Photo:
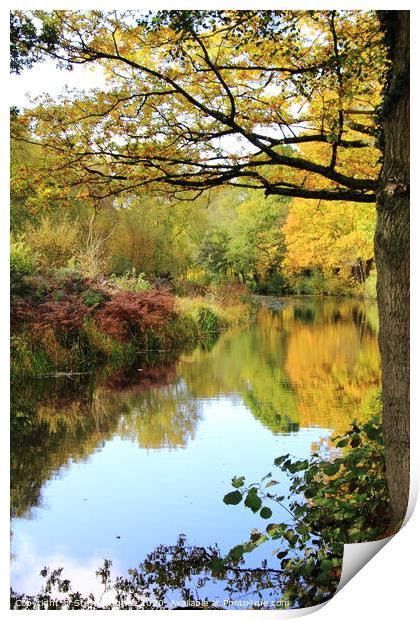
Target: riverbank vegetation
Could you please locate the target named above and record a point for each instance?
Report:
(63, 321)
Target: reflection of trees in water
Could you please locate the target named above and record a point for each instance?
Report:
(167, 418)
(327, 310)
(334, 364)
(290, 370)
(50, 427)
(247, 365)
(158, 411)
(132, 380)
(56, 421)
(315, 362)
(306, 315)
(277, 419)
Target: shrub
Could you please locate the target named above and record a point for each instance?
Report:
(21, 311)
(274, 283)
(22, 263)
(230, 293)
(102, 345)
(185, 287)
(42, 289)
(68, 320)
(38, 354)
(210, 315)
(21, 355)
(69, 278)
(179, 331)
(130, 314)
(55, 242)
(91, 256)
(65, 317)
(130, 281)
(92, 298)
(313, 284)
(332, 502)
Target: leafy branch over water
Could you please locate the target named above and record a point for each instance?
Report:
(332, 502)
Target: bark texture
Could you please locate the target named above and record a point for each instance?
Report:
(392, 260)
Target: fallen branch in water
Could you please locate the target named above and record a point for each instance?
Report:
(69, 375)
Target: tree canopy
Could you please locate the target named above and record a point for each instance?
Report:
(282, 101)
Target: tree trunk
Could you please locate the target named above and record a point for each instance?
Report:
(392, 261)
(368, 266)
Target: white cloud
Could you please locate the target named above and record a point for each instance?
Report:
(28, 562)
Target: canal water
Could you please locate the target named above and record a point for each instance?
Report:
(114, 464)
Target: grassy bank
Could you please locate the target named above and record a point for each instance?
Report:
(66, 323)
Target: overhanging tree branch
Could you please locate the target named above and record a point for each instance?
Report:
(185, 121)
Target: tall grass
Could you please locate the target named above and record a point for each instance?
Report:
(102, 346)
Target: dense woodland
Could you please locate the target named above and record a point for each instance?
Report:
(232, 235)
(227, 154)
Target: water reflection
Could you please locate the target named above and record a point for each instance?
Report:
(314, 363)
(51, 428)
(178, 430)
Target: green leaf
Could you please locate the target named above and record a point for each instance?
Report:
(250, 546)
(354, 533)
(280, 459)
(235, 497)
(257, 538)
(217, 565)
(373, 434)
(237, 553)
(303, 465)
(281, 554)
(291, 537)
(342, 443)
(324, 578)
(265, 512)
(298, 466)
(306, 570)
(311, 492)
(271, 483)
(253, 501)
(276, 530)
(326, 565)
(331, 469)
(238, 482)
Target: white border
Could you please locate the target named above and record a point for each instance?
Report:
(386, 586)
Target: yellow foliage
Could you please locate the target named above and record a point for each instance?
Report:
(328, 234)
(54, 242)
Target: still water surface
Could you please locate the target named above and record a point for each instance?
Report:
(116, 464)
